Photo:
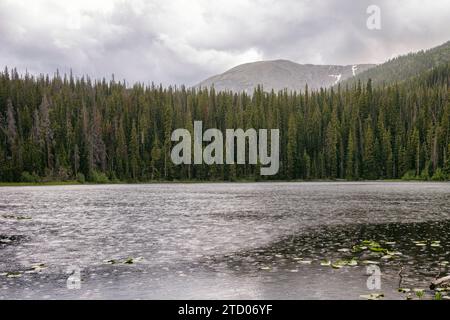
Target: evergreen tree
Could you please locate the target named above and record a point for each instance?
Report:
(292, 148)
(369, 160)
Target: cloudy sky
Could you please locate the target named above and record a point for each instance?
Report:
(183, 42)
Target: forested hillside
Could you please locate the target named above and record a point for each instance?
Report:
(64, 128)
(404, 67)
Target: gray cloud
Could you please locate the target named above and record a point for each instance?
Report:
(183, 42)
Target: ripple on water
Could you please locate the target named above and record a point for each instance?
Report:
(236, 232)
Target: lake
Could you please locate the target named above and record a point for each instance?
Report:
(311, 240)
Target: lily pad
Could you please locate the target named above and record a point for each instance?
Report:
(370, 243)
(15, 217)
(13, 274)
(370, 262)
(394, 253)
(377, 249)
(37, 268)
(372, 296)
(342, 263)
(358, 248)
(325, 263)
(133, 260)
(352, 263)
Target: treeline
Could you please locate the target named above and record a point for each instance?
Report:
(65, 128)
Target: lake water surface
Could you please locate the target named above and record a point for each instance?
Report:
(223, 240)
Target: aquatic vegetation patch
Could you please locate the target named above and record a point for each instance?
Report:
(369, 245)
(438, 296)
(12, 239)
(37, 268)
(15, 217)
(112, 261)
(420, 243)
(12, 274)
(325, 263)
(372, 296)
(340, 263)
(370, 262)
(435, 243)
(419, 292)
(126, 261)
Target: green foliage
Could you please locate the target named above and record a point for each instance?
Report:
(439, 175)
(425, 174)
(27, 177)
(438, 296)
(410, 175)
(81, 178)
(98, 177)
(64, 129)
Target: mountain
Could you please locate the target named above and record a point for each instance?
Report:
(281, 74)
(404, 67)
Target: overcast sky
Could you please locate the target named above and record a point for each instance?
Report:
(183, 42)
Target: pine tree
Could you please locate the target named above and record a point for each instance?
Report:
(446, 169)
(350, 173)
(46, 133)
(155, 159)
(369, 160)
(306, 165)
(331, 147)
(292, 148)
(134, 152)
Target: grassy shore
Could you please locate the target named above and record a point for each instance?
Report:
(46, 183)
(74, 182)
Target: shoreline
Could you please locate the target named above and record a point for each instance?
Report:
(73, 182)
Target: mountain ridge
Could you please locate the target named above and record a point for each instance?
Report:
(281, 74)
(404, 67)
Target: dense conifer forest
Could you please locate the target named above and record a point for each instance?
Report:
(64, 128)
